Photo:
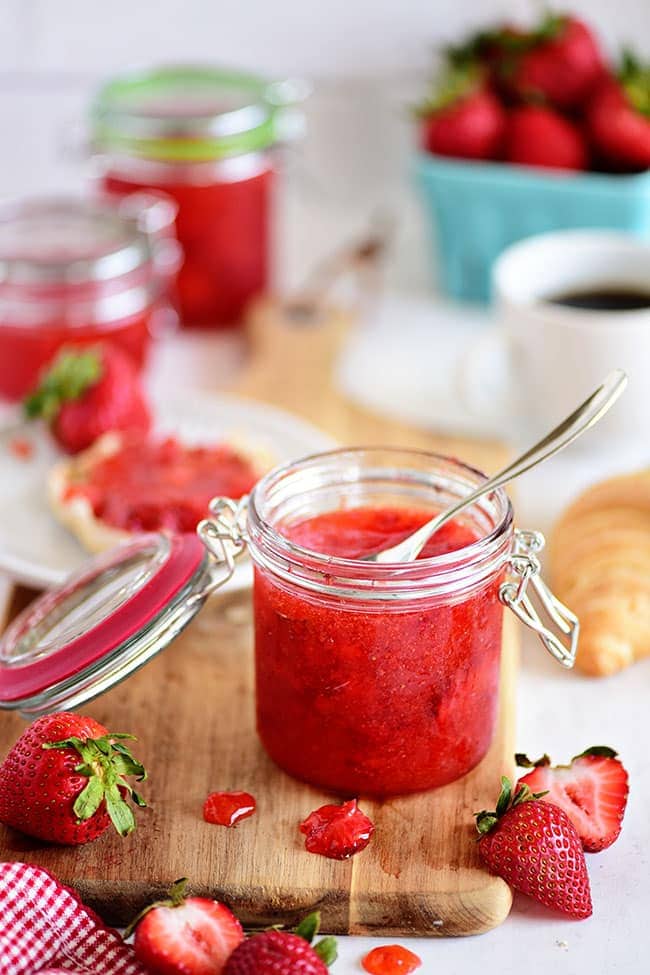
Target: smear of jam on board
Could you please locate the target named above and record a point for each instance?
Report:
(337, 832)
(228, 808)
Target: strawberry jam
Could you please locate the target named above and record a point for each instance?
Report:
(228, 808)
(223, 227)
(337, 832)
(391, 960)
(365, 687)
(149, 485)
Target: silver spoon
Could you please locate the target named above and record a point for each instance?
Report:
(584, 417)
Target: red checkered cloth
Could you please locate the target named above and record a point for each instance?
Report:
(45, 926)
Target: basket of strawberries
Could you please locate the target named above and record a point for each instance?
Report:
(526, 131)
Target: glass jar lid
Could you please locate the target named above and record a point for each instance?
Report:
(69, 241)
(105, 622)
(191, 113)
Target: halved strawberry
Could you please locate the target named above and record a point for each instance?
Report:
(192, 936)
(592, 790)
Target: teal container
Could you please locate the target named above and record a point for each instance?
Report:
(474, 210)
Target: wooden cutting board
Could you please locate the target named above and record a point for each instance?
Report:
(193, 710)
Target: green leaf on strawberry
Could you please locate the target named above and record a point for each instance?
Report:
(106, 763)
(69, 376)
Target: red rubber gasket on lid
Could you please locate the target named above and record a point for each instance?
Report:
(25, 680)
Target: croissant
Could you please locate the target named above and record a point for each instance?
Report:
(599, 555)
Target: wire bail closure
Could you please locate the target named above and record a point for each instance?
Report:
(224, 536)
(514, 594)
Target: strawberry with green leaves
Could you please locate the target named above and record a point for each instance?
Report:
(65, 781)
(539, 136)
(284, 952)
(592, 789)
(462, 117)
(534, 847)
(558, 63)
(618, 117)
(88, 392)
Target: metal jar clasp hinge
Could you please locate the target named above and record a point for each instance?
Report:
(561, 641)
(224, 536)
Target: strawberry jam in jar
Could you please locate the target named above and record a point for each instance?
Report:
(205, 138)
(375, 678)
(73, 272)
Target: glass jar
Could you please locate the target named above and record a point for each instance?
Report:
(75, 271)
(204, 137)
(373, 678)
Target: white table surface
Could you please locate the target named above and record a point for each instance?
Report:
(557, 712)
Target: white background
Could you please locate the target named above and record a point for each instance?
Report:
(366, 59)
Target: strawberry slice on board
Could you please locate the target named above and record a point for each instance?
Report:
(185, 935)
(592, 790)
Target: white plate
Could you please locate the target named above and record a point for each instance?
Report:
(36, 550)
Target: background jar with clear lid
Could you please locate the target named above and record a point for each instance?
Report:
(78, 271)
(373, 678)
(205, 137)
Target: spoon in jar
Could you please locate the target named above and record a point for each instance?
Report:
(584, 417)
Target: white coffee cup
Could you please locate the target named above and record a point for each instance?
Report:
(558, 354)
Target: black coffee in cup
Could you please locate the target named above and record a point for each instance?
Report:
(604, 299)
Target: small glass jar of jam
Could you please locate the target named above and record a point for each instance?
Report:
(372, 678)
(75, 271)
(204, 137)
(375, 678)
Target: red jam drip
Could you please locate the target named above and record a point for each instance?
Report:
(21, 448)
(337, 832)
(391, 960)
(228, 808)
(152, 485)
(223, 228)
(25, 350)
(376, 698)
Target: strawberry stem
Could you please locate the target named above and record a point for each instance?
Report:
(486, 820)
(106, 762)
(522, 761)
(175, 898)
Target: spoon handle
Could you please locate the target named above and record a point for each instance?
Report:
(582, 418)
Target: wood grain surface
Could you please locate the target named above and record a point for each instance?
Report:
(193, 710)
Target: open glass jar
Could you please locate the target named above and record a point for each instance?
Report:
(78, 271)
(205, 137)
(371, 678)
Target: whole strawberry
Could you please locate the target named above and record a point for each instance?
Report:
(64, 781)
(618, 118)
(559, 62)
(462, 118)
(185, 935)
(592, 790)
(535, 848)
(537, 136)
(87, 392)
(283, 952)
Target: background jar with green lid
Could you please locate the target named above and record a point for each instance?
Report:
(205, 137)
